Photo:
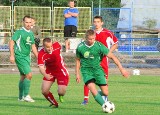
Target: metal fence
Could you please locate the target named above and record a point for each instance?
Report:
(136, 49)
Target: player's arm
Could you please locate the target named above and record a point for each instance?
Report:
(34, 49)
(78, 77)
(117, 62)
(11, 49)
(114, 47)
(43, 72)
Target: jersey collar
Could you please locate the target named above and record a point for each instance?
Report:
(88, 45)
(97, 32)
(25, 29)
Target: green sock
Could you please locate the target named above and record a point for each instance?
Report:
(20, 89)
(100, 92)
(26, 86)
(99, 99)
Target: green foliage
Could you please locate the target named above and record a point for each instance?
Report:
(63, 3)
(150, 23)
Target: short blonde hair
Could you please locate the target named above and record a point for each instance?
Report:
(89, 32)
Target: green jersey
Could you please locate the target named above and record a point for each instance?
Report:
(90, 56)
(23, 40)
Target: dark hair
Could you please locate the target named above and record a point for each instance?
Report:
(27, 16)
(47, 40)
(89, 32)
(99, 17)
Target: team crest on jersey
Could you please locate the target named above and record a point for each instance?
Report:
(28, 40)
(86, 54)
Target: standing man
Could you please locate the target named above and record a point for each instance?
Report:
(107, 38)
(20, 45)
(70, 22)
(88, 56)
(52, 67)
(37, 32)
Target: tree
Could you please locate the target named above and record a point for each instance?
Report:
(63, 3)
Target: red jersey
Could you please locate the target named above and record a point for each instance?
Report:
(106, 37)
(53, 61)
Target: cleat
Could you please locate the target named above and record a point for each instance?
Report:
(53, 105)
(61, 99)
(85, 102)
(28, 99)
(20, 99)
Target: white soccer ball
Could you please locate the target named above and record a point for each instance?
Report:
(108, 107)
(136, 72)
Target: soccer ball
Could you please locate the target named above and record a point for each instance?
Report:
(136, 72)
(108, 107)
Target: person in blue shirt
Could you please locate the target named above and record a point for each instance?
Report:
(70, 22)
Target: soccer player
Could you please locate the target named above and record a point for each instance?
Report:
(107, 38)
(88, 57)
(70, 22)
(20, 45)
(52, 67)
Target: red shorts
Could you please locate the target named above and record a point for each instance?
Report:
(62, 77)
(104, 65)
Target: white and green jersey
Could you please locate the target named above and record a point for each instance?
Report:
(23, 40)
(90, 56)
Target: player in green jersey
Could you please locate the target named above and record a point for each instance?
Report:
(88, 58)
(20, 45)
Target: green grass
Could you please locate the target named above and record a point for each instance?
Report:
(138, 95)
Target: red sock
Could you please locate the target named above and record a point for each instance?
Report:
(51, 99)
(86, 93)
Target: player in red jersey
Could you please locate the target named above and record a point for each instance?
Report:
(52, 67)
(107, 38)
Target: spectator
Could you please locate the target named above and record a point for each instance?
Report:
(70, 22)
(37, 32)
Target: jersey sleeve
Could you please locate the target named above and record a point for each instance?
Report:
(40, 59)
(78, 53)
(16, 35)
(114, 38)
(56, 45)
(103, 49)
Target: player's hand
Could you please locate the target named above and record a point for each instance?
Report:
(125, 73)
(48, 76)
(78, 78)
(12, 59)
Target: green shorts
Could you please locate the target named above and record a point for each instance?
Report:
(23, 64)
(96, 74)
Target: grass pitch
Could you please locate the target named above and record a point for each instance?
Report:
(138, 95)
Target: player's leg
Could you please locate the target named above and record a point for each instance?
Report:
(23, 65)
(27, 83)
(104, 65)
(86, 95)
(45, 88)
(61, 92)
(92, 87)
(62, 81)
(21, 88)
